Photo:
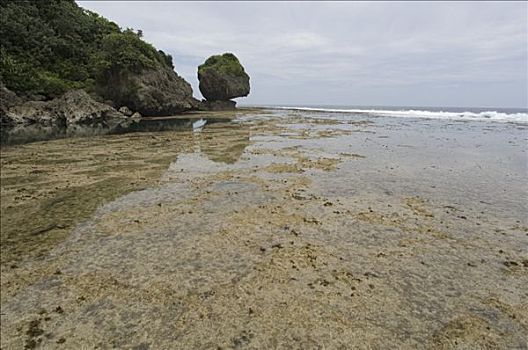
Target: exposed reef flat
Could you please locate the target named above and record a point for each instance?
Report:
(278, 229)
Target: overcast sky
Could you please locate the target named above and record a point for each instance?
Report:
(347, 53)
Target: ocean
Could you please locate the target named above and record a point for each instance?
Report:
(514, 115)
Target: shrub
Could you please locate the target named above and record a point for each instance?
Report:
(226, 63)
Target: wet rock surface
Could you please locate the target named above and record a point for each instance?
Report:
(282, 230)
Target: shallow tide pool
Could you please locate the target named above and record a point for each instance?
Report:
(280, 229)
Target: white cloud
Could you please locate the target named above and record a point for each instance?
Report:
(347, 52)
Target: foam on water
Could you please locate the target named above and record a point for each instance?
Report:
(494, 116)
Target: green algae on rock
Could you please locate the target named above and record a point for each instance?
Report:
(222, 78)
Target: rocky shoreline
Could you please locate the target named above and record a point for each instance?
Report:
(115, 79)
(76, 109)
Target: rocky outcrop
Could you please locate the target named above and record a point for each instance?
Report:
(217, 105)
(30, 112)
(8, 99)
(151, 92)
(222, 78)
(126, 111)
(74, 108)
(77, 107)
(49, 50)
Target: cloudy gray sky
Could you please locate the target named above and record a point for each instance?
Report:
(348, 53)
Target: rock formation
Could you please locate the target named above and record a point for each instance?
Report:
(222, 78)
(126, 111)
(152, 92)
(8, 99)
(49, 49)
(53, 56)
(75, 107)
(206, 105)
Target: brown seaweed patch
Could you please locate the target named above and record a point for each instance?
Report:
(283, 168)
(325, 164)
(418, 206)
(468, 332)
(352, 155)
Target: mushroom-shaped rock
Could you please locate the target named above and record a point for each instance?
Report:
(222, 78)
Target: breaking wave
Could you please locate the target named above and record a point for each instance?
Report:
(495, 116)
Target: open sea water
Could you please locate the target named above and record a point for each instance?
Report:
(514, 115)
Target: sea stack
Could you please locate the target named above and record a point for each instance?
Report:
(222, 78)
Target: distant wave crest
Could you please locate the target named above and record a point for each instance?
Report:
(487, 115)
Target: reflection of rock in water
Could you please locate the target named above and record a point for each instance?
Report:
(29, 133)
(20, 134)
(35, 132)
(224, 143)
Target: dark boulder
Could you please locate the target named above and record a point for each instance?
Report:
(222, 78)
(217, 105)
(152, 92)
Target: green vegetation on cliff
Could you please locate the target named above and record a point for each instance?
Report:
(49, 47)
(226, 64)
